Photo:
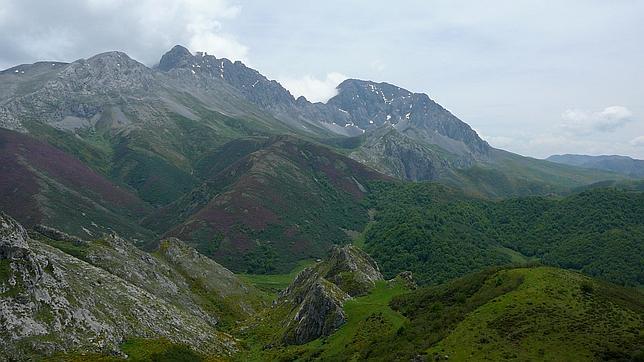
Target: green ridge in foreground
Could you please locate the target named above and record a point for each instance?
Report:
(553, 315)
(541, 314)
(524, 314)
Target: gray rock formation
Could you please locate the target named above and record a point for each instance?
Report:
(179, 275)
(359, 107)
(58, 235)
(53, 302)
(315, 298)
(13, 239)
(372, 105)
(395, 154)
(319, 314)
(353, 270)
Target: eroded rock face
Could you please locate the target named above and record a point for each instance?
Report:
(317, 294)
(319, 314)
(353, 270)
(395, 154)
(53, 302)
(55, 234)
(13, 239)
(178, 274)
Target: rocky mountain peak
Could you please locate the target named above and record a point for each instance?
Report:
(104, 73)
(372, 105)
(250, 83)
(174, 57)
(113, 55)
(113, 61)
(359, 106)
(353, 84)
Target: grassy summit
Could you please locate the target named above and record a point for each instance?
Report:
(526, 314)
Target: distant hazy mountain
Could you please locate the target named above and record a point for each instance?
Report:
(620, 164)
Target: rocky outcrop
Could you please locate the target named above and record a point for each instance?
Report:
(58, 235)
(212, 276)
(316, 296)
(395, 154)
(319, 314)
(351, 269)
(407, 279)
(13, 239)
(178, 274)
(53, 302)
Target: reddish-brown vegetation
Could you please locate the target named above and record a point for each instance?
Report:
(25, 161)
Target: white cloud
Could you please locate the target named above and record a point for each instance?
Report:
(221, 45)
(607, 120)
(145, 29)
(378, 65)
(637, 141)
(314, 89)
(544, 144)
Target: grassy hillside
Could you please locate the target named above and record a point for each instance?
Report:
(42, 184)
(440, 233)
(271, 284)
(539, 313)
(526, 314)
(510, 175)
(279, 202)
(549, 173)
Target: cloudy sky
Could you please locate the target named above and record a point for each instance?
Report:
(534, 77)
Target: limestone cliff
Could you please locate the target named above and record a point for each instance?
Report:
(316, 296)
(51, 301)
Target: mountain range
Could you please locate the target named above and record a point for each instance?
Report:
(620, 164)
(196, 209)
(131, 123)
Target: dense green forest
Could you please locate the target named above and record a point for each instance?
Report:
(440, 233)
